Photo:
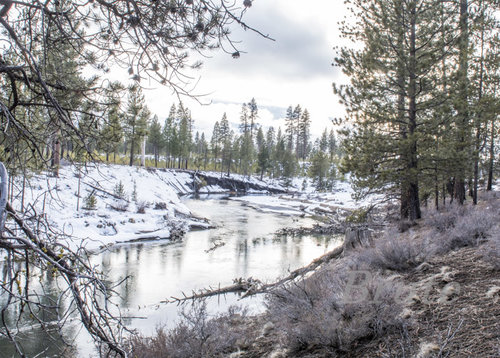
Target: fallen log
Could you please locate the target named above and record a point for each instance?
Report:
(251, 286)
(239, 285)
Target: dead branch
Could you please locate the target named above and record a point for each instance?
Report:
(250, 286)
(84, 287)
(240, 285)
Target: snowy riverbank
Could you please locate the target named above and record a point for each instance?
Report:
(148, 206)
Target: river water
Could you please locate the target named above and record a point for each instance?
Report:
(241, 245)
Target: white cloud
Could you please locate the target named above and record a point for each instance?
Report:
(296, 69)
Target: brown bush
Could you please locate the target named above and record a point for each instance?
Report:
(391, 252)
(444, 219)
(196, 336)
(331, 311)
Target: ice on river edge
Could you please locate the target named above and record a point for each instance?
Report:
(156, 191)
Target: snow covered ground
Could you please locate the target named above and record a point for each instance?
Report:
(149, 207)
(63, 202)
(308, 201)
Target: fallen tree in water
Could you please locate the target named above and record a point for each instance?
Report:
(250, 286)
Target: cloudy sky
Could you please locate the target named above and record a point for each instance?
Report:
(294, 69)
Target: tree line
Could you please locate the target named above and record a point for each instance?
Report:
(128, 129)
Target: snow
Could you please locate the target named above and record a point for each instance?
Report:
(57, 198)
(157, 192)
(309, 201)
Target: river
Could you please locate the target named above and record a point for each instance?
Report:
(241, 245)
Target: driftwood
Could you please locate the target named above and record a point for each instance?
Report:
(249, 287)
(333, 228)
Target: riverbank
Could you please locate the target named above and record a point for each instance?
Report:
(95, 206)
(99, 205)
(431, 291)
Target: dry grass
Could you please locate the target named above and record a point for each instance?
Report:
(463, 226)
(490, 252)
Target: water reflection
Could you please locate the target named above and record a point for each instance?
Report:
(158, 270)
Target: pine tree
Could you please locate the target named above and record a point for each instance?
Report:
(297, 116)
(136, 120)
(462, 121)
(485, 65)
(271, 147)
(253, 113)
(246, 150)
(290, 128)
(155, 138)
(170, 137)
(204, 150)
(112, 131)
(390, 94)
(215, 143)
(320, 169)
(303, 135)
(332, 145)
(263, 153)
(226, 143)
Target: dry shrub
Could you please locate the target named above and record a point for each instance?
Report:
(196, 336)
(141, 206)
(160, 206)
(489, 196)
(490, 252)
(149, 347)
(471, 229)
(445, 219)
(461, 226)
(119, 205)
(331, 311)
(393, 253)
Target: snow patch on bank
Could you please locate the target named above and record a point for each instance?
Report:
(307, 201)
(112, 220)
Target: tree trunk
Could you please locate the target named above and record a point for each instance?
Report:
(479, 116)
(132, 149)
(413, 194)
(205, 160)
(63, 145)
(489, 187)
(462, 105)
(56, 155)
(143, 152)
(403, 130)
